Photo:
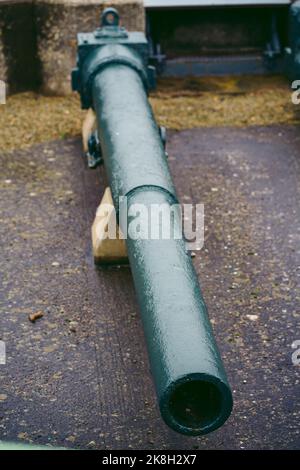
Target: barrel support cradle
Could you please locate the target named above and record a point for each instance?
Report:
(107, 250)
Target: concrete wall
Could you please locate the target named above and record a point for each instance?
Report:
(3, 65)
(18, 54)
(38, 38)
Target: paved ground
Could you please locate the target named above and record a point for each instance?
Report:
(87, 384)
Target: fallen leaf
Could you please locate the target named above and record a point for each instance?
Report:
(35, 316)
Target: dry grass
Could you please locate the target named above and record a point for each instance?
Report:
(224, 101)
(28, 118)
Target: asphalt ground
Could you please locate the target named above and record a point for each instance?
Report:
(79, 376)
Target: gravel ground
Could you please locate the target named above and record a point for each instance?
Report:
(79, 376)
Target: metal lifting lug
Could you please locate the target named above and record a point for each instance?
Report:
(94, 153)
(110, 25)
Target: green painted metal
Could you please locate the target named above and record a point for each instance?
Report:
(109, 34)
(127, 129)
(193, 392)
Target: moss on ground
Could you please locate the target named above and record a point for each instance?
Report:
(29, 118)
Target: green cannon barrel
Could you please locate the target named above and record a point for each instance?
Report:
(193, 393)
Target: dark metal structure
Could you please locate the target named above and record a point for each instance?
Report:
(217, 37)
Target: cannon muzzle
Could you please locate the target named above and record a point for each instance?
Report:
(113, 78)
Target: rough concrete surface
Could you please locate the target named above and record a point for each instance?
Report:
(79, 376)
(57, 24)
(3, 62)
(19, 64)
(38, 38)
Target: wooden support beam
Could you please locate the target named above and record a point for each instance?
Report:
(105, 249)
